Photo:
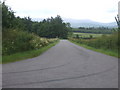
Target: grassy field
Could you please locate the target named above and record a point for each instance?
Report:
(107, 44)
(94, 30)
(87, 34)
(26, 55)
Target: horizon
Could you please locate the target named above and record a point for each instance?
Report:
(74, 9)
(75, 23)
(67, 19)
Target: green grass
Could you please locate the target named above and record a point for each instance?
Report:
(88, 34)
(26, 55)
(107, 52)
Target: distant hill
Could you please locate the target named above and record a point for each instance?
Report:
(89, 23)
(84, 23)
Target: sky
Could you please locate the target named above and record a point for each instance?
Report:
(96, 10)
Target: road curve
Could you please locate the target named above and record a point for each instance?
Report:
(65, 65)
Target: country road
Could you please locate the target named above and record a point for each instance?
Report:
(65, 65)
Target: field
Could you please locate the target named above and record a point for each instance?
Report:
(107, 44)
(87, 35)
(99, 30)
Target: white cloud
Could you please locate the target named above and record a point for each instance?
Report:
(97, 10)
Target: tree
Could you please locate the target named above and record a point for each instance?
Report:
(49, 28)
(54, 27)
(7, 16)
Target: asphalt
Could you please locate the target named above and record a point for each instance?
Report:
(65, 65)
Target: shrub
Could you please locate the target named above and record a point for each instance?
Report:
(19, 41)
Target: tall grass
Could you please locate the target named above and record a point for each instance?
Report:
(18, 45)
(26, 55)
(15, 41)
(108, 43)
(87, 35)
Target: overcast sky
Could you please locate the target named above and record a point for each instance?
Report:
(96, 10)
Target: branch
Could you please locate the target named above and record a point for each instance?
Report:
(117, 21)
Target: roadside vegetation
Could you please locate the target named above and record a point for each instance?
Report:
(23, 38)
(100, 39)
(108, 44)
(94, 30)
(26, 54)
(19, 41)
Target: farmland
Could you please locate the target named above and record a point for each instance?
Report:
(101, 39)
(108, 44)
(87, 34)
(96, 30)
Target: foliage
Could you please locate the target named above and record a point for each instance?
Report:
(25, 55)
(99, 30)
(106, 42)
(8, 16)
(87, 35)
(49, 28)
(52, 28)
(23, 34)
(19, 41)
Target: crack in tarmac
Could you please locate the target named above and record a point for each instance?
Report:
(38, 69)
(68, 78)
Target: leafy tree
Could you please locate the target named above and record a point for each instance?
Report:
(7, 16)
(49, 28)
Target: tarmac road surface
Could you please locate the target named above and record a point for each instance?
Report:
(65, 65)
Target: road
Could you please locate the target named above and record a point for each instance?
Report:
(65, 65)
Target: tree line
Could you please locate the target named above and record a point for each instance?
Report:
(49, 28)
(96, 30)
(23, 34)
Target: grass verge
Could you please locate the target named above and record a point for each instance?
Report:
(26, 55)
(107, 52)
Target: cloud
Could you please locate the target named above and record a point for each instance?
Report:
(97, 10)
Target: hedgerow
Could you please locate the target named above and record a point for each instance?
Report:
(19, 41)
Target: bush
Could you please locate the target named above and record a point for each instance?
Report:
(19, 41)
